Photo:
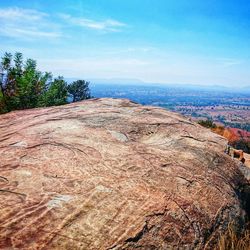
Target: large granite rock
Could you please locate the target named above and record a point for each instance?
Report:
(247, 158)
(112, 174)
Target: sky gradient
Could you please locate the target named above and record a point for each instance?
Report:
(159, 41)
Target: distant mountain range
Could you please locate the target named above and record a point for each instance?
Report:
(138, 82)
(111, 80)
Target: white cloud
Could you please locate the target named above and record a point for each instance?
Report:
(26, 24)
(10, 14)
(31, 24)
(173, 69)
(108, 25)
(94, 67)
(27, 34)
(229, 62)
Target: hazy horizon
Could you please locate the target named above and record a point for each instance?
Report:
(161, 42)
(127, 81)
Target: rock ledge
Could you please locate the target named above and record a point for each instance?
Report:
(112, 174)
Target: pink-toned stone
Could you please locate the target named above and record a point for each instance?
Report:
(112, 174)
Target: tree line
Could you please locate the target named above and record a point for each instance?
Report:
(23, 86)
(238, 144)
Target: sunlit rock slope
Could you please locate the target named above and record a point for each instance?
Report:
(112, 174)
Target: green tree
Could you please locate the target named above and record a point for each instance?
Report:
(56, 93)
(6, 61)
(22, 85)
(9, 84)
(79, 90)
(31, 85)
(5, 68)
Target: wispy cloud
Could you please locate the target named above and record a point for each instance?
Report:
(229, 62)
(9, 14)
(27, 34)
(107, 25)
(94, 67)
(26, 24)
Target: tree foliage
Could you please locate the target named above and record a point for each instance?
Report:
(56, 93)
(23, 86)
(207, 123)
(242, 144)
(238, 144)
(79, 90)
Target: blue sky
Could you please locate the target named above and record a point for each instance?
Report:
(161, 41)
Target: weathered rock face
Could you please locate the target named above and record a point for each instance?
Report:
(111, 174)
(247, 158)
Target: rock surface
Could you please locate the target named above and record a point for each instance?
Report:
(247, 158)
(112, 174)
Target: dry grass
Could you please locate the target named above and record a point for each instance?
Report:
(232, 241)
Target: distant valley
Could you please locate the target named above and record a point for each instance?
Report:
(224, 106)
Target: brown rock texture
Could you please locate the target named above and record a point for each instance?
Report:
(247, 158)
(112, 174)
